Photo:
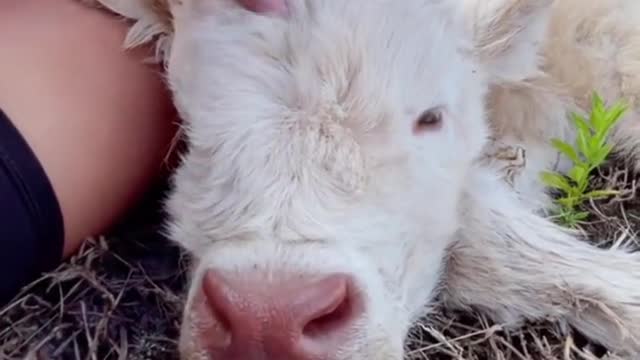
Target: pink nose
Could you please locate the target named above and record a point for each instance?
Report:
(294, 318)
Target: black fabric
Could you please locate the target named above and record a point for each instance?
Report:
(31, 225)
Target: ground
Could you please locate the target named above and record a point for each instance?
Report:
(121, 297)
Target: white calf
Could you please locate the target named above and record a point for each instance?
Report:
(332, 177)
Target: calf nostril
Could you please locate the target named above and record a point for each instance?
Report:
(217, 295)
(336, 313)
(293, 317)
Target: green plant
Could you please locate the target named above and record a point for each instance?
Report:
(589, 152)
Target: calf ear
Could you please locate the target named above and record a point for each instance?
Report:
(262, 7)
(132, 9)
(507, 34)
(151, 22)
(265, 6)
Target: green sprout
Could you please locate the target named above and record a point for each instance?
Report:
(591, 150)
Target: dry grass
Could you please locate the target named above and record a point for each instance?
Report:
(120, 298)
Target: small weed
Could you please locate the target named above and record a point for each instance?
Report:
(589, 152)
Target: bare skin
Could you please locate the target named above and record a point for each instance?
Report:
(100, 121)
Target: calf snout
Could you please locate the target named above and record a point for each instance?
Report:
(271, 317)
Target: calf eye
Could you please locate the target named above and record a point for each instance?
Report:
(430, 120)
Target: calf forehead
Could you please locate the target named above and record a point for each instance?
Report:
(395, 50)
(332, 66)
(284, 115)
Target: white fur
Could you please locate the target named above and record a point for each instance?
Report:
(302, 157)
(515, 265)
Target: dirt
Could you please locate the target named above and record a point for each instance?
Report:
(121, 297)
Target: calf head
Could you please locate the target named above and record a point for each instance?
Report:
(328, 145)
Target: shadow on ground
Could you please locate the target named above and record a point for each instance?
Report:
(121, 298)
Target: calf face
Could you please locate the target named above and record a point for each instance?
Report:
(329, 143)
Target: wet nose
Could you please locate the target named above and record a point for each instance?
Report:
(302, 318)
